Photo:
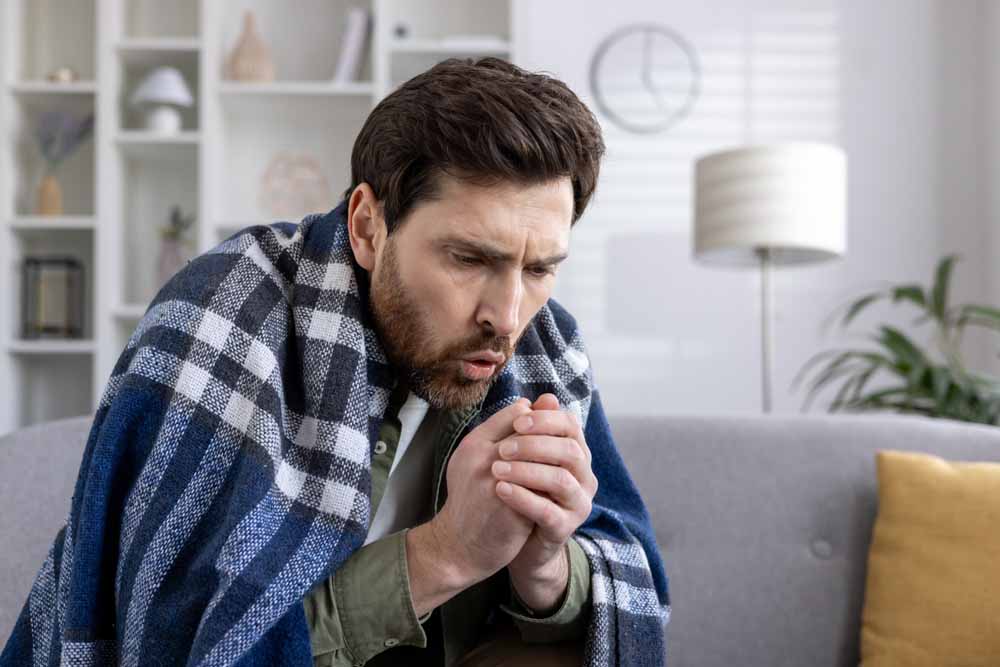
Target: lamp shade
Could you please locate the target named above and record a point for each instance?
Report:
(164, 85)
(790, 198)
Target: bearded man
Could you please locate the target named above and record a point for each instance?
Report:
(371, 437)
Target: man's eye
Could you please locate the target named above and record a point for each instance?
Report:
(540, 271)
(466, 260)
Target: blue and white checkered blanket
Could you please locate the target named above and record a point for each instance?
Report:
(227, 470)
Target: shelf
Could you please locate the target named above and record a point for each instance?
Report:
(170, 44)
(44, 35)
(450, 46)
(419, 55)
(236, 225)
(30, 223)
(51, 386)
(297, 88)
(75, 96)
(149, 51)
(54, 88)
(242, 143)
(304, 37)
(51, 346)
(134, 137)
(147, 145)
(131, 311)
(138, 58)
(255, 137)
(156, 19)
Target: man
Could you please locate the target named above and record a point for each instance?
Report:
(371, 437)
(480, 260)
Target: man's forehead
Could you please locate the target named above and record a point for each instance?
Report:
(502, 237)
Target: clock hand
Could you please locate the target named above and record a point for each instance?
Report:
(647, 70)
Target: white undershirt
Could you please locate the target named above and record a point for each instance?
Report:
(406, 498)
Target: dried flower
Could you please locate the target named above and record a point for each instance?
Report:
(60, 133)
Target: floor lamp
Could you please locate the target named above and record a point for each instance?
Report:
(770, 205)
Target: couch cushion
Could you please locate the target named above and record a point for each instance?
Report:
(38, 470)
(932, 595)
(764, 524)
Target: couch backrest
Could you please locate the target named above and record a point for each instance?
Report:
(38, 470)
(765, 522)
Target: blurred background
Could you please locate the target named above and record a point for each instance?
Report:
(137, 134)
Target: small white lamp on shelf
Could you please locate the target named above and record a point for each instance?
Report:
(160, 93)
(768, 205)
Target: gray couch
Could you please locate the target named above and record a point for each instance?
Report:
(764, 522)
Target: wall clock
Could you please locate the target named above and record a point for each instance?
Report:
(645, 78)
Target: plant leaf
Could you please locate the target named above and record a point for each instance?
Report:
(840, 400)
(812, 360)
(981, 315)
(832, 371)
(939, 292)
(858, 306)
(903, 348)
(913, 293)
(941, 381)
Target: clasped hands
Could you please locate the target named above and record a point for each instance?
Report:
(482, 528)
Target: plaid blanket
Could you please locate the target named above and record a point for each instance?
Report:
(227, 469)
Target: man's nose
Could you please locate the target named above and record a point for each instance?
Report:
(502, 304)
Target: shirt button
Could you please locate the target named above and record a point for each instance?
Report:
(391, 641)
(380, 447)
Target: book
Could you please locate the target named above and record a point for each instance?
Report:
(352, 44)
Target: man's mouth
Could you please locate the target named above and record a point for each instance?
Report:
(481, 365)
(485, 357)
(477, 369)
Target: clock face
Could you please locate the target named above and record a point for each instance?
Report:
(645, 77)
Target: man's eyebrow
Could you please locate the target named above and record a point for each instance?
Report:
(493, 254)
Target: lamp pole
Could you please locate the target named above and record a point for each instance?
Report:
(766, 339)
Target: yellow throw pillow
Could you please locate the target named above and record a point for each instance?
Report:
(932, 594)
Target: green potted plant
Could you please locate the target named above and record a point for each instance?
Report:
(936, 385)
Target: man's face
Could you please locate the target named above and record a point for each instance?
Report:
(455, 286)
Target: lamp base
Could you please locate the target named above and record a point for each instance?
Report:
(163, 119)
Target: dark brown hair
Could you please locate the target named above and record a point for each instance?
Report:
(484, 121)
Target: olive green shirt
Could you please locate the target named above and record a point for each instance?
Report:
(363, 614)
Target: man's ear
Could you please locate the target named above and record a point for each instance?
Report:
(365, 225)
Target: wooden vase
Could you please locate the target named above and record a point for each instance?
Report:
(50, 201)
(250, 59)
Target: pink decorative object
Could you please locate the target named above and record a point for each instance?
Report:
(173, 256)
(294, 185)
(175, 249)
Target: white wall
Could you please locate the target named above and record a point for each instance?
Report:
(897, 83)
(989, 34)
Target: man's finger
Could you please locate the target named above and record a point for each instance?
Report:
(500, 425)
(553, 519)
(551, 450)
(561, 486)
(560, 423)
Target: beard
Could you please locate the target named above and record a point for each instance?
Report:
(432, 370)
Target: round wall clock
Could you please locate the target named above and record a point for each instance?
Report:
(645, 77)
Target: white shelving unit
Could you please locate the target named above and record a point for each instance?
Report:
(119, 187)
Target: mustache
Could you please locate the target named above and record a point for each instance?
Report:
(500, 344)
